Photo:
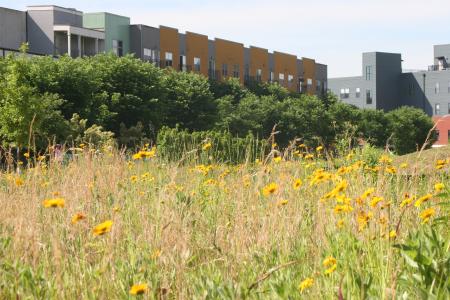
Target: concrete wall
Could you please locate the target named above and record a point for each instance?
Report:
(388, 70)
(40, 31)
(12, 28)
(418, 89)
(441, 51)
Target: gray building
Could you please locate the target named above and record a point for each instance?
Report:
(11, 40)
(383, 84)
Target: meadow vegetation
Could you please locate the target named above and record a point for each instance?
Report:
(298, 223)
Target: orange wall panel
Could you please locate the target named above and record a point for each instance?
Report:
(230, 53)
(309, 71)
(287, 65)
(259, 59)
(197, 46)
(169, 42)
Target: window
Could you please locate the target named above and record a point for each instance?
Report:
(358, 92)
(347, 93)
(437, 109)
(169, 59)
(290, 79)
(212, 68)
(258, 75)
(197, 64)
(309, 81)
(183, 66)
(151, 55)
(448, 109)
(281, 77)
(236, 71)
(448, 133)
(342, 95)
(318, 86)
(411, 89)
(368, 72)
(271, 76)
(448, 87)
(224, 70)
(368, 97)
(436, 88)
(117, 47)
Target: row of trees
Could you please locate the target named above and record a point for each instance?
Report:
(66, 99)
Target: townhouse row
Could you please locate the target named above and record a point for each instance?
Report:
(54, 30)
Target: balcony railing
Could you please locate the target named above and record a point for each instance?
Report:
(437, 68)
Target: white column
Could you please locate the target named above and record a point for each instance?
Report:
(69, 46)
(96, 46)
(79, 45)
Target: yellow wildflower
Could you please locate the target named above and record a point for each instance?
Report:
(56, 202)
(134, 178)
(422, 200)
(307, 283)
(102, 228)
(27, 155)
(375, 200)
(309, 156)
(439, 187)
(78, 217)
(391, 170)
(270, 189)
(139, 289)
(385, 159)
(156, 253)
(297, 184)
(407, 200)
(392, 234)
(363, 220)
(18, 181)
(320, 148)
(367, 193)
(282, 202)
(342, 208)
(277, 159)
(340, 223)
(206, 146)
(427, 214)
(403, 166)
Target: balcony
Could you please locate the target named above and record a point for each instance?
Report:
(437, 68)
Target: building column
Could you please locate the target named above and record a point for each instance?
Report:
(79, 45)
(69, 46)
(96, 46)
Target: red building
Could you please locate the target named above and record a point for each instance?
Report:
(443, 129)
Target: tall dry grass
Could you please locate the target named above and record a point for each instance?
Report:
(207, 232)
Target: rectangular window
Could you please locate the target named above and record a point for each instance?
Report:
(271, 76)
(358, 92)
(437, 109)
(183, 66)
(342, 95)
(169, 59)
(281, 77)
(258, 75)
(436, 88)
(309, 82)
(197, 64)
(236, 71)
(290, 79)
(448, 109)
(368, 72)
(225, 70)
(411, 89)
(117, 47)
(448, 89)
(347, 93)
(368, 97)
(212, 68)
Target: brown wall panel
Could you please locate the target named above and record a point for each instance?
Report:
(259, 59)
(309, 71)
(230, 53)
(197, 46)
(287, 65)
(169, 42)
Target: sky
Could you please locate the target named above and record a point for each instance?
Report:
(333, 32)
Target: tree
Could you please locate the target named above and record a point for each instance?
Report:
(373, 127)
(409, 128)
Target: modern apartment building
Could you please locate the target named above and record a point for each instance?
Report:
(54, 30)
(384, 85)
